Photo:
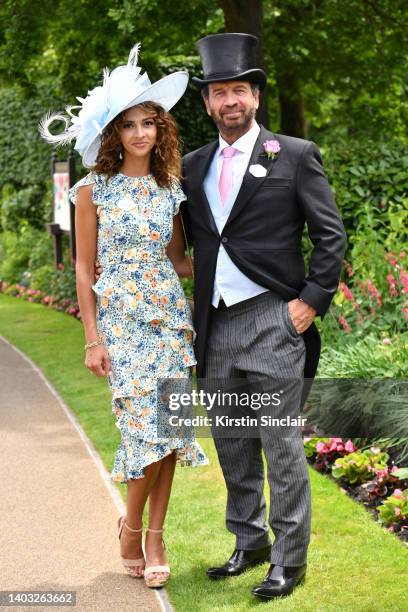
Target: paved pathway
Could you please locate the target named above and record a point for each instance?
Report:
(58, 508)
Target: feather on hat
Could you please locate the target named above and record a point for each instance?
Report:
(123, 88)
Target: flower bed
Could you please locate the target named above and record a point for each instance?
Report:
(367, 476)
(69, 306)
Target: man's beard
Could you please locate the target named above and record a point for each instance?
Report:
(239, 128)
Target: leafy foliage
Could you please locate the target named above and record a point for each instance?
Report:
(345, 60)
(360, 466)
(394, 510)
(370, 184)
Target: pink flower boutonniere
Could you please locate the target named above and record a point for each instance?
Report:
(272, 148)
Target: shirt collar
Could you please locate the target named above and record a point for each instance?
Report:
(245, 143)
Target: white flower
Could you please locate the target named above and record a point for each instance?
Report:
(257, 170)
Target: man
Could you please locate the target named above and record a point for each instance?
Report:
(254, 304)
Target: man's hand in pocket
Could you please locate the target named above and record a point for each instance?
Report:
(302, 315)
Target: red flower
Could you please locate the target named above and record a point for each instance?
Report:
(403, 276)
(346, 292)
(392, 259)
(348, 268)
(344, 324)
(373, 291)
(392, 286)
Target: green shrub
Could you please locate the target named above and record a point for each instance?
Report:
(23, 253)
(366, 357)
(14, 255)
(23, 205)
(370, 183)
(41, 278)
(394, 510)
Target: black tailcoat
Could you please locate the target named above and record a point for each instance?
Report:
(264, 230)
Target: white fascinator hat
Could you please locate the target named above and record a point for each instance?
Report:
(122, 88)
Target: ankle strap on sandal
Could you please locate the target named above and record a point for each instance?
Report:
(134, 530)
(155, 530)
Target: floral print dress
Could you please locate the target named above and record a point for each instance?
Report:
(142, 315)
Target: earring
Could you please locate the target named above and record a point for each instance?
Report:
(120, 155)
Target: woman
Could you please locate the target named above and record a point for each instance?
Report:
(138, 329)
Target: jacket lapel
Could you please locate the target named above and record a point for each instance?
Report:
(203, 162)
(250, 183)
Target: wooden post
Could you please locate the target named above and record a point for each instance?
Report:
(72, 179)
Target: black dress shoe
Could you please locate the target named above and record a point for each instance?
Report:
(239, 561)
(280, 581)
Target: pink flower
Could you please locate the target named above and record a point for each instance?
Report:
(386, 341)
(398, 493)
(344, 324)
(346, 292)
(272, 148)
(348, 268)
(321, 447)
(60, 266)
(373, 291)
(392, 285)
(397, 511)
(381, 473)
(360, 319)
(403, 276)
(349, 447)
(391, 258)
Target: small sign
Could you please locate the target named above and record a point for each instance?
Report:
(62, 214)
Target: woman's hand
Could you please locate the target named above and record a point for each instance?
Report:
(97, 361)
(176, 251)
(98, 270)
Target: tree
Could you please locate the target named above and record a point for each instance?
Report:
(339, 62)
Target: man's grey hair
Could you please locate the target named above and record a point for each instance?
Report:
(254, 88)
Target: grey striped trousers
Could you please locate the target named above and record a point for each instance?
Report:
(252, 340)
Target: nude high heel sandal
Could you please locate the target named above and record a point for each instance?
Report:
(130, 564)
(156, 569)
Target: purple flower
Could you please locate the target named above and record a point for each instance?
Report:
(271, 148)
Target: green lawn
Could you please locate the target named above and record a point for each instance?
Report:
(354, 564)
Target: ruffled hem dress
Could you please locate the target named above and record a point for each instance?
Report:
(142, 316)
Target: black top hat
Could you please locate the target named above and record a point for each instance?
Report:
(229, 57)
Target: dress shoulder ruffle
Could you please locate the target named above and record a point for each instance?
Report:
(92, 178)
(177, 195)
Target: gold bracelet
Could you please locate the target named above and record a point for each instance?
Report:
(91, 344)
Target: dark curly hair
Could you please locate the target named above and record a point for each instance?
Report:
(165, 162)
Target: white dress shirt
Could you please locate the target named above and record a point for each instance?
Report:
(230, 283)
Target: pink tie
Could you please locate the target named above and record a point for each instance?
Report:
(225, 181)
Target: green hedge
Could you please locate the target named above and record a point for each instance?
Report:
(370, 183)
